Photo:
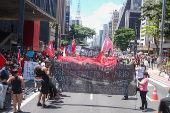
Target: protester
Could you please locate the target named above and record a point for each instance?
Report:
(38, 76)
(152, 62)
(143, 90)
(4, 75)
(164, 105)
(16, 81)
(45, 84)
(140, 71)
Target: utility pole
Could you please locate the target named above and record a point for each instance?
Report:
(162, 33)
(135, 41)
(21, 24)
(56, 36)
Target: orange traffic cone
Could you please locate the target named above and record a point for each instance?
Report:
(155, 96)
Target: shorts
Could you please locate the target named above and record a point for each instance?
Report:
(37, 80)
(152, 64)
(44, 88)
(15, 98)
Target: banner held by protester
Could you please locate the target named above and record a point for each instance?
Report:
(116, 79)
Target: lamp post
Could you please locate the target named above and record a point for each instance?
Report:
(162, 33)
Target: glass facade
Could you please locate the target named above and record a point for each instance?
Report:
(48, 6)
(135, 5)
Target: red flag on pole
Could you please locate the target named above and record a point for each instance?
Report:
(2, 60)
(73, 49)
(107, 45)
(19, 61)
(99, 58)
(50, 50)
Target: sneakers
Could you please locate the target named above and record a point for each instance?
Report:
(141, 108)
(39, 104)
(59, 100)
(124, 98)
(145, 110)
(20, 111)
(34, 89)
(45, 106)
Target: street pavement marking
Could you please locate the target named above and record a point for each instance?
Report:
(91, 96)
(26, 101)
(150, 85)
(148, 98)
(161, 84)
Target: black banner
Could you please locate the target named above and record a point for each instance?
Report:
(117, 79)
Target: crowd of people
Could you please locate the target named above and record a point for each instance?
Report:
(47, 90)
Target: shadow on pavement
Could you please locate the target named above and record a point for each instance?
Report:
(64, 95)
(149, 109)
(132, 98)
(52, 107)
(109, 96)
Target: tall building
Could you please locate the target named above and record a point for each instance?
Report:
(110, 30)
(100, 38)
(67, 19)
(25, 31)
(105, 32)
(115, 19)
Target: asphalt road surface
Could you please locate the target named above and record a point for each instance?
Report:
(94, 103)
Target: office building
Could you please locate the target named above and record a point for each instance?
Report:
(115, 19)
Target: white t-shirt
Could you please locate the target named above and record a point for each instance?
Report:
(42, 64)
(140, 72)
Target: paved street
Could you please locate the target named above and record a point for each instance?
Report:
(96, 103)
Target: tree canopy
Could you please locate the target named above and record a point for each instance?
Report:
(122, 37)
(64, 43)
(79, 32)
(153, 12)
(52, 25)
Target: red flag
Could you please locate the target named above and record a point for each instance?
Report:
(99, 58)
(2, 60)
(61, 48)
(107, 45)
(73, 49)
(50, 50)
(19, 61)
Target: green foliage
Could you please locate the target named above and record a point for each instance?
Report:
(153, 11)
(95, 47)
(52, 25)
(81, 43)
(79, 32)
(122, 37)
(64, 43)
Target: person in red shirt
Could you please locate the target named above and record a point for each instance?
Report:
(22, 63)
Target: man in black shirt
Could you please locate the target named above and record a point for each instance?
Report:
(45, 83)
(38, 76)
(164, 106)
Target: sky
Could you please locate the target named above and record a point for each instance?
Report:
(95, 13)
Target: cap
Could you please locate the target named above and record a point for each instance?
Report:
(15, 71)
(47, 61)
(145, 73)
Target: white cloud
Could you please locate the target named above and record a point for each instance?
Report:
(105, 11)
(100, 17)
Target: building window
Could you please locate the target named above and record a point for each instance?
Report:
(142, 39)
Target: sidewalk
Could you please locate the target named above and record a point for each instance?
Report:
(155, 75)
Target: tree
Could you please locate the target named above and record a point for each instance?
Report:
(153, 11)
(122, 37)
(64, 43)
(52, 25)
(79, 32)
(154, 32)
